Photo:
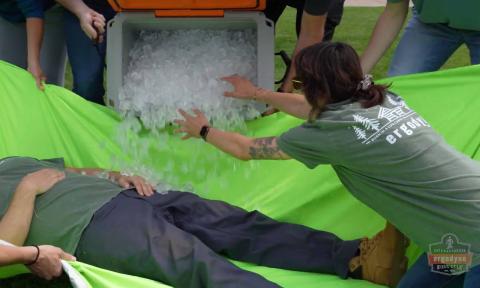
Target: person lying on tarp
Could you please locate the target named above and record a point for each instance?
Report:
(118, 222)
(384, 153)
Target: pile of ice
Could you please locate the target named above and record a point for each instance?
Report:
(169, 163)
(172, 69)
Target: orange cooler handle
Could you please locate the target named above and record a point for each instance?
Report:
(189, 13)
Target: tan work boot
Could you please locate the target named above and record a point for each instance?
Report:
(382, 259)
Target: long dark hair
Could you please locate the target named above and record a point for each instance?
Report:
(330, 73)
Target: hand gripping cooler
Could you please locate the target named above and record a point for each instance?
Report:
(136, 15)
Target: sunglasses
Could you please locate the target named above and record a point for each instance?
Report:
(297, 85)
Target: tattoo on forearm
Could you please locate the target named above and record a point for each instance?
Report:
(265, 148)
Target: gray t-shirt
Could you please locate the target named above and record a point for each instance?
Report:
(63, 212)
(390, 158)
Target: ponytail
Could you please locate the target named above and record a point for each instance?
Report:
(368, 93)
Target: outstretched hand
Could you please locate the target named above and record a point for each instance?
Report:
(191, 124)
(243, 88)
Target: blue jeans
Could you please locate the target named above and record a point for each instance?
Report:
(420, 275)
(87, 60)
(426, 47)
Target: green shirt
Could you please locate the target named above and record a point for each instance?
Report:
(62, 213)
(390, 158)
(459, 14)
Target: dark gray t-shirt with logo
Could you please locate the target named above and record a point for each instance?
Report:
(392, 160)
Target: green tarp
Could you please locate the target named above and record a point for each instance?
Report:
(57, 123)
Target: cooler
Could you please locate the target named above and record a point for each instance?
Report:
(137, 15)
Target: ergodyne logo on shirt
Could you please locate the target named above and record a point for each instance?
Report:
(403, 120)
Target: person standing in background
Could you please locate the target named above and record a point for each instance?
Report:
(79, 26)
(316, 22)
(437, 28)
(22, 27)
(86, 47)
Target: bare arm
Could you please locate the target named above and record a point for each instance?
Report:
(34, 45)
(386, 30)
(290, 103)
(235, 144)
(94, 172)
(312, 31)
(77, 7)
(246, 148)
(126, 181)
(15, 224)
(293, 104)
(16, 255)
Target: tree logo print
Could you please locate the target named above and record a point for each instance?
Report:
(361, 134)
(369, 124)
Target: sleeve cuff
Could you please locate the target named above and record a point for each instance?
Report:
(289, 150)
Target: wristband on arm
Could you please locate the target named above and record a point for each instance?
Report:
(204, 132)
(36, 257)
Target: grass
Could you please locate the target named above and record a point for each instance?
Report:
(355, 29)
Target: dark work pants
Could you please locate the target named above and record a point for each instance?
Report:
(275, 9)
(174, 238)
